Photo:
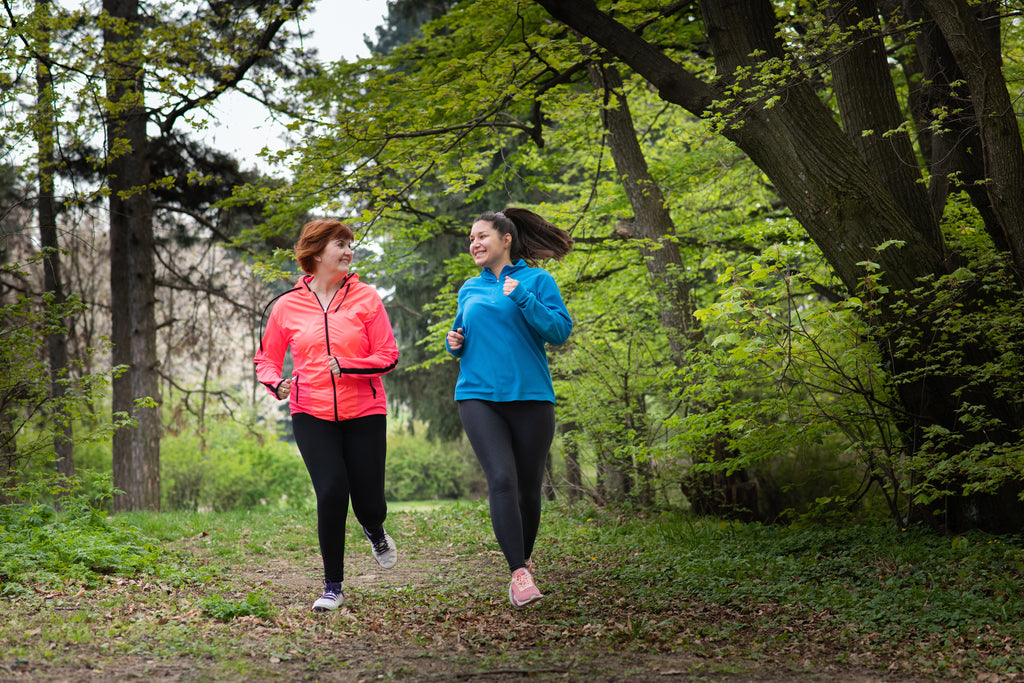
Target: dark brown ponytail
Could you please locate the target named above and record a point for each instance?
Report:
(533, 237)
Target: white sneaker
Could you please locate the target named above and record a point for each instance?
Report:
(331, 599)
(384, 549)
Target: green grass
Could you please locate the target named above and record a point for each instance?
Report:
(722, 597)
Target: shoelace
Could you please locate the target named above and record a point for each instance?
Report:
(523, 580)
(381, 546)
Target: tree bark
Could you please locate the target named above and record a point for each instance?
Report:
(951, 148)
(136, 450)
(1002, 152)
(874, 124)
(56, 342)
(652, 222)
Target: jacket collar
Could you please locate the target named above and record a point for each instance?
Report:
(486, 273)
(306, 277)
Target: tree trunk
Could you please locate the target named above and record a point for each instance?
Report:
(136, 390)
(873, 125)
(573, 474)
(56, 342)
(1003, 155)
(951, 148)
(652, 221)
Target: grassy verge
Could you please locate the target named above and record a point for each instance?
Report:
(225, 596)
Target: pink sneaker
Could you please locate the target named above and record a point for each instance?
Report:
(522, 590)
(529, 565)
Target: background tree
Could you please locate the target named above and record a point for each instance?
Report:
(162, 66)
(242, 44)
(53, 285)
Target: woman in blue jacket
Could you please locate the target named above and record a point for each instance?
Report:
(506, 401)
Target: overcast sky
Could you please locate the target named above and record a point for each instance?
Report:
(338, 28)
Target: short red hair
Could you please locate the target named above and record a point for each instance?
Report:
(315, 237)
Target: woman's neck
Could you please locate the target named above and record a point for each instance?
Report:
(326, 287)
(496, 269)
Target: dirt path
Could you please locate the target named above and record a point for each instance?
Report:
(440, 615)
(445, 647)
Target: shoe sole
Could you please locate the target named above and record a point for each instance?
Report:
(524, 603)
(325, 609)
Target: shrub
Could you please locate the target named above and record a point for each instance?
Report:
(230, 468)
(419, 469)
(43, 546)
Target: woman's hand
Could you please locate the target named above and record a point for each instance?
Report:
(284, 388)
(455, 339)
(332, 363)
(509, 285)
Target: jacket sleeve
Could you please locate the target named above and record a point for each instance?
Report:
(455, 325)
(383, 356)
(543, 309)
(270, 355)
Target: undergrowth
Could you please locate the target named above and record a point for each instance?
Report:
(44, 546)
(724, 594)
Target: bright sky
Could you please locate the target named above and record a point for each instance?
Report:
(338, 28)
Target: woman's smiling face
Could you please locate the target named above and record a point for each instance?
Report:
(488, 247)
(335, 258)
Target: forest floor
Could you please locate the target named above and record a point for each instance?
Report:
(442, 614)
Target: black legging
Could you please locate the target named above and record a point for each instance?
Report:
(343, 458)
(511, 441)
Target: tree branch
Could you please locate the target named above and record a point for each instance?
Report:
(241, 69)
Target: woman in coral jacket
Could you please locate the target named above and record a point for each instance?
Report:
(506, 400)
(341, 343)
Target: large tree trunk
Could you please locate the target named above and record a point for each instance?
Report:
(978, 58)
(56, 342)
(132, 285)
(874, 125)
(951, 147)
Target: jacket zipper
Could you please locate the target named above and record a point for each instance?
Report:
(334, 384)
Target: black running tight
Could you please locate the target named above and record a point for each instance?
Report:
(343, 459)
(511, 441)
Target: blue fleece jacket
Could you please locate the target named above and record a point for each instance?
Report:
(503, 357)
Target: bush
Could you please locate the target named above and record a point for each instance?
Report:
(43, 546)
(419, 469)
(232, 468)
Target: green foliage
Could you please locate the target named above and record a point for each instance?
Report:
(794, 384)
(974, 349)
(223, 609)
(894, 583)
(48, 547)
(610, 382)
(789, 374)
(421, 469)
(230, 467)
(31, 415)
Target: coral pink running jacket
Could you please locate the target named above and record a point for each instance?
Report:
(354, 329)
